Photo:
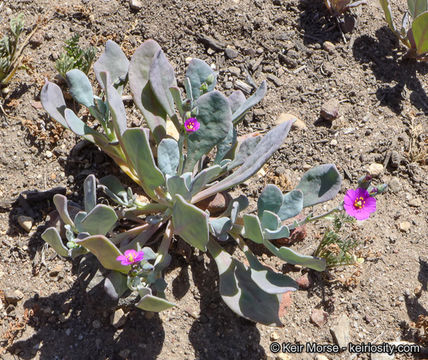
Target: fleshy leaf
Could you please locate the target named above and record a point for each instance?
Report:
(177, 185)
(270, 221)
(292, 205)
(80, 128)
(226, 145)
(113, 188)
(215, 118)
(236, 100)
(52, 237)
(141, 90)
(220, 227)
(114, 61)
(53, 102)
(115, 285)
(60, 202)
(105, 251)
(205, 177)
(239, 291)
(252, 228)
(80, 87)
(262, 152)
(168, 156)
(417, 7)
(100, 220)
(282, 232)
(150, 302)
(90, 192)
(253, 100)
(246, 148)
(294, 258)
(194, 232)
(270, 199)
(197, 72)
(238, 204)
(319, 184)
(162, 78)
(140, 155)
(420, 33)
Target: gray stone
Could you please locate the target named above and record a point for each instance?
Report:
(118, 318)
(375, 169)
(330, 110)
(235, 71)
(394, 185)
(415, 202)
(231, 53)
(13, 296)
(341, 331)
(395, 160)
(405, 226)
(319, 317)
(329, 47)
(135, 4)
(26, 222)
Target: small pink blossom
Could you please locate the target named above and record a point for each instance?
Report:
(191, 125)
(359, 204)
(130, 257)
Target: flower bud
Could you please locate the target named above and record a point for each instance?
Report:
(364, 182)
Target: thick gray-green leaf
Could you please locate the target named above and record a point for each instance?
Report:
(292, 205)
(420, 33)
(53, 102)
(295, 258)
(236, 100)
(80, 128)
(60, 202)
(205, 177)
(100, 220)
(282, 232)
(115, 285)
(215, 118)
(153, 303)
(197, 72)
(190, 223)
(270, 221)
(319, 184)
(52, 237)
(252, 228)
(417, 7)
(238, 204)
(162, 78)
(168, 156)
(114, 61)
(241, 293)
(113, 188)
(253, 100)
(270, 199)
(177, 185)
(78, 223)
(80, 87)
(220, 227)
(140, 155)
(105, 251)
(246, 148)
(141, 90)
(226, 145)
(263, 151)
(178, 101)
(90, 192)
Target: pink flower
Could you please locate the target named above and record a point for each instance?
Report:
(191, 125)
(359, 204)
(130, 257)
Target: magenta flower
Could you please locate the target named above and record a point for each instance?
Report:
(191, 125)
(359, 204)
(130, 257)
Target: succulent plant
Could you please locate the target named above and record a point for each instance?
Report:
(414, 27)
(338, 7)
(179, 176)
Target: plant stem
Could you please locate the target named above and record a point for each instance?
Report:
(314, 218)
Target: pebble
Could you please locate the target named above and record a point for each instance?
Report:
(26, 222)
(235, 71)
(394, 185)
(319, 317)
(12, 297)
(276, 80)
(36, 40)
(56, 270)
(48, 154)
(330, 110)
(118, 318)
(274, 336)
(375, 169)
(231, 53)
(333, 142)
(405, 226)
(135, 4)
(304, 281)
(188, 60)
(395, 160)
(415, 202)
(298, 123)
(329, 47)
(341, 331)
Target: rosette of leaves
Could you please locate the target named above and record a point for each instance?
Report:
(178, 176)
(413, 32)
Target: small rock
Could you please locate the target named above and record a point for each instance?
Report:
(319, 317)
(286, 302)
(274, 336)
(135, 4)
(12, 297)
(188, 60)
(259, 112)
(276, 80)
(231, 53)
(418, 291)
(36, 40)
(329, 47)
(287, 61)
(330, 110)
(235, 71)
(395, 160)
(375, 169)
(56, 270)
(415, 202)
(333, 142)
(26, 222)
(405, 226)
(321, 357)
(48, 154)
(215, 204)
(118, 318)
(96, 324)
(304, 281)
(243, 86)
(341, 331)
(394, 185)
(298, 123)
(124, 353)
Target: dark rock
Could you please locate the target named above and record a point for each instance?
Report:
(330, 110)
(231, 53)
